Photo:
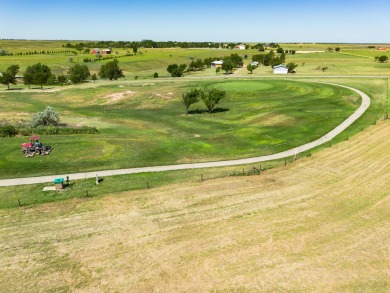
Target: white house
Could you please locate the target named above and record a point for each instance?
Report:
(280, 69)
(255, 63)
(217, 64)
(239, 47)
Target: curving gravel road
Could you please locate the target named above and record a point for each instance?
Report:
(291, 152)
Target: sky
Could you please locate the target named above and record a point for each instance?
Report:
(335, 21)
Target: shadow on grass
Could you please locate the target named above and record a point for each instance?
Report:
(202, 111)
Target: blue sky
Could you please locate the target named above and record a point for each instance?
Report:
(358, 21)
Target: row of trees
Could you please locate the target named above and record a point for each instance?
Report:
(40, 74)
(270, 59)
(210, 98)
(229, 62)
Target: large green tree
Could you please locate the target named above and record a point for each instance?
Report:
(111, 70)
(176, 70)
(212, 98)
(37, 74)
(78, 73)
(9, 76)
(191, 97)
(383, 59)
(227, 65)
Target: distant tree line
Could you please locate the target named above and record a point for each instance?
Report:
(149, 44)
(47, 52)
(40, 74)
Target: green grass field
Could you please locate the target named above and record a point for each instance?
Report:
(147, 127)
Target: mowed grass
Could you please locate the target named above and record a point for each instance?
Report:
(147, 127)
(320, 224)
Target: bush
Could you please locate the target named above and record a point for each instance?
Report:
(46, 118)
(8, 130)
(155, 75)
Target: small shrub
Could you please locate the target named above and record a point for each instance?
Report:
(155, 75)
(8, 130)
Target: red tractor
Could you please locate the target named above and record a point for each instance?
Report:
(35, 147)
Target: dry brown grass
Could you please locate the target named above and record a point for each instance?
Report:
(320, 224)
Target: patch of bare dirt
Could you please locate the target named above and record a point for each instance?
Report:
(165, 96)
(112, 98)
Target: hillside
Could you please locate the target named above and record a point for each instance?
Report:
(320, 224)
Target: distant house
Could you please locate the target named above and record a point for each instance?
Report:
(239, 47)
(280, 69)
(95, 50)
(382, 49)
(217, 64)
(106, 51)
(255, 63)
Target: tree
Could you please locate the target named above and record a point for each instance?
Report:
(6, 78)
(111, 70)
(155, 75)
(174, 70)
(191, 97)
(13, 69)
(70, 59)
(212, 98)
(9, 76)
(383, 59)
(251, 67)
(45, 118)
(135, 49)
(61, 79)
(98, 55)
(78, 73)
(94, 77)
(291, 67)
(280, 50)
(227, 65)
(28, 78)
(337, 49)
(182, 67)
(37, 74)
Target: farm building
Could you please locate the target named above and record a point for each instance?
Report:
(217, 64)
(280, 69)
(255, 63)
(106, 51)
(95, 50)
(239, 47)
(382, 49)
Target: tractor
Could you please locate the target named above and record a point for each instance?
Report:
(35, 147)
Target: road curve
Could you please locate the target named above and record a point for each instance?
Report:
(291, 152)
